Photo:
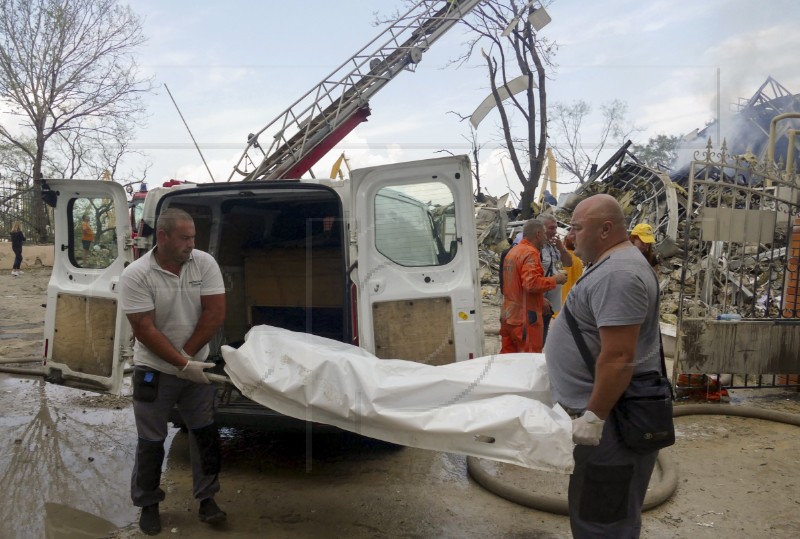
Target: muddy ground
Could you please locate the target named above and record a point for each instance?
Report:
(65, 460)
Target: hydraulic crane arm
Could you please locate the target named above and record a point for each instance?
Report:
(321, 118)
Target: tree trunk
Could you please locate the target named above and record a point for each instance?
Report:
(40, 216)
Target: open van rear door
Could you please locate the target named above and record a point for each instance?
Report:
(86, 338)
(418, 285)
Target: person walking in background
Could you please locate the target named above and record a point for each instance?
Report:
(87, 237)
(554, 258)
(174, 298)
(17, 237)
(643, 238)
(524, 286)
(549, 198)
(615, 307)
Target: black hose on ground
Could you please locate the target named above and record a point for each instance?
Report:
(10, 361)
(37, 372)
(656, 494)
(20, 370)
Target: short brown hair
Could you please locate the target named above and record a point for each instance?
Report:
(170, 217)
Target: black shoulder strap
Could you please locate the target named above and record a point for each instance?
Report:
(587, 356)
(576, 334)
(549, 271)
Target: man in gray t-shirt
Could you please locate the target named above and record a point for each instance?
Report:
(615, 304)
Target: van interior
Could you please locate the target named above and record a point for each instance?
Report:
(282, 252)
(282, 255)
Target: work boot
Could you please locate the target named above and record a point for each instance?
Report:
(210, 512)
(150, 521)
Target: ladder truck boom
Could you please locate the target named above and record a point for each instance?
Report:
(320, 119)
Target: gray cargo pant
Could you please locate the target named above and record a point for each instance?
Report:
(196, 403)
(607, 488)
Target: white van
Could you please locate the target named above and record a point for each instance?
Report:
(386, 261)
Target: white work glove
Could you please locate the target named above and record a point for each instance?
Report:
(193, 371)
(587, 429)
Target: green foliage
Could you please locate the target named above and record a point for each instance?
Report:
(659, 152)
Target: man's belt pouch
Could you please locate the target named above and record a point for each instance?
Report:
(532, 317)
(644, 414)
(145, 385)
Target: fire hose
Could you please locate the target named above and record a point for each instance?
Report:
(656, 494)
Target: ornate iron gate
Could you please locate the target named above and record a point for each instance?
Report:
(740, 285)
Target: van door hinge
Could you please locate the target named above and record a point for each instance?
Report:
(125, 353)
(140, 242)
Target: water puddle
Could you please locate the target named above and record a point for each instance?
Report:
(68, 452)
(65, 522)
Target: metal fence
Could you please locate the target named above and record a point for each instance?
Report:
(740, 286)
(17, 204)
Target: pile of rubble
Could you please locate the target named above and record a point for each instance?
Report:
(747, 279)
(492, 219)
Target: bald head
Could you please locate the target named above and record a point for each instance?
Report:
(603, 208)
(598, 223)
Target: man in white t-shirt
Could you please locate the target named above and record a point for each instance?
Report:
(174, 299)
(554, 257)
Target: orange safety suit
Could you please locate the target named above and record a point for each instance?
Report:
(524, 285)
(87, 234)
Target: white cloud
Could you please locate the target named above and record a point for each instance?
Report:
(660, 56)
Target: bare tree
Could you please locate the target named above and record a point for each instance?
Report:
(96, 154)
(511, 47)
(567, 127)
(66, 66)
(14, 163)
(475, 149)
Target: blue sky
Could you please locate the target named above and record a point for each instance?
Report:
(233, 66)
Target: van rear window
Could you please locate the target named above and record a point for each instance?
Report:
(93, 242)
(415, 224)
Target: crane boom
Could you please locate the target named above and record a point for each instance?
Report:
(316, 122)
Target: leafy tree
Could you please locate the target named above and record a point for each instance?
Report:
(511, 47)
(567, 128)
(67, 69)
(659, 152)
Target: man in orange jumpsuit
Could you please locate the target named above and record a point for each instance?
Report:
(524, 283)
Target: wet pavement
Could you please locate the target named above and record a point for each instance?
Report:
(63, 452)
(67, 454)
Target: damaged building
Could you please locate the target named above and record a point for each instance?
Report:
(727, 223)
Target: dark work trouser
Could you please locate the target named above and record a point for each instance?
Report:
(17, 259)
(607, 488)
(195, 403)
(546, 318)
